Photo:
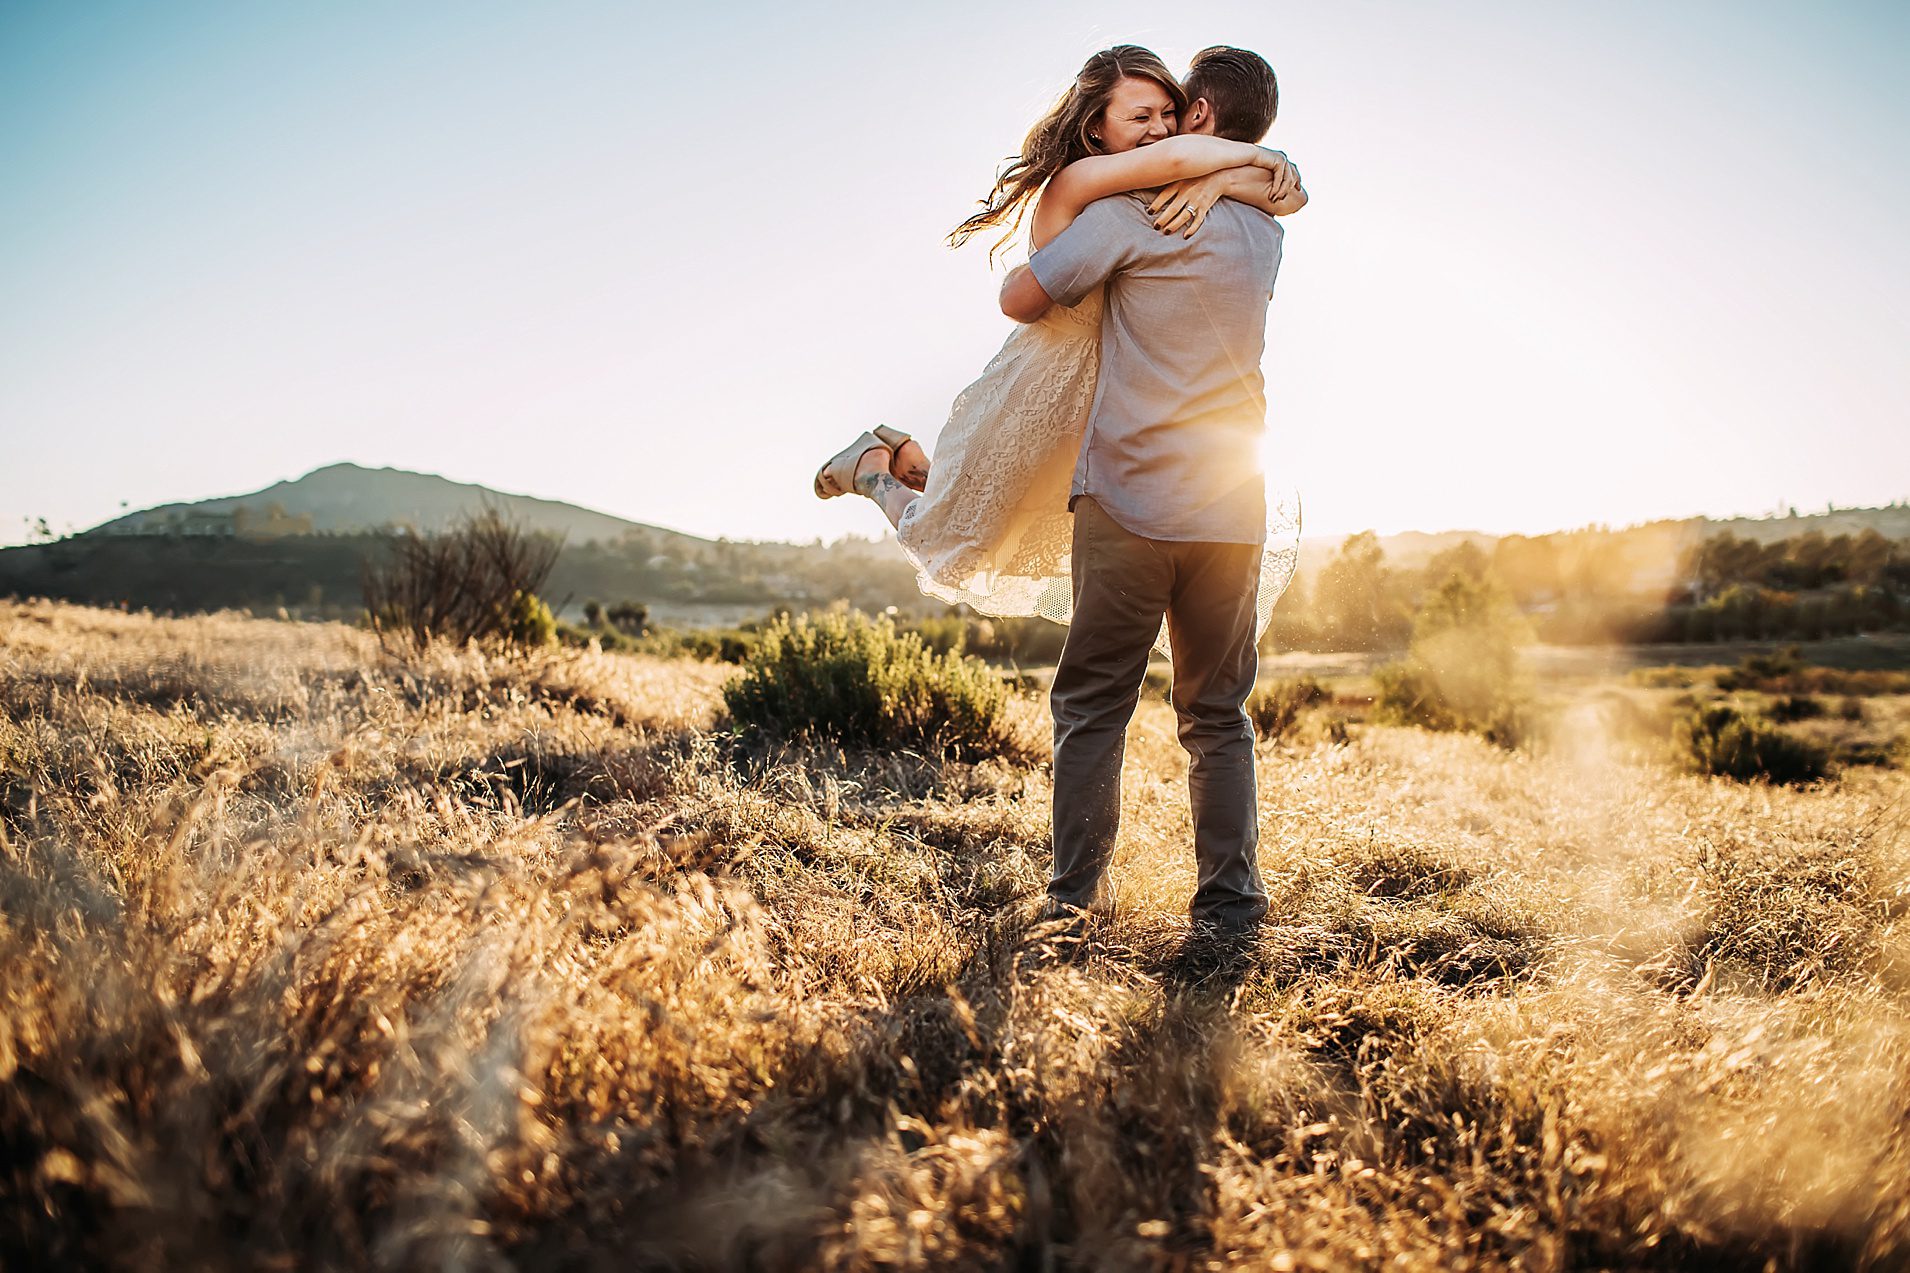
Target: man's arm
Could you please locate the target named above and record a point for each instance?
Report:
(1022, 296)
(1102, 239)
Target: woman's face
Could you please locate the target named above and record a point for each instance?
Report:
(1139, 113)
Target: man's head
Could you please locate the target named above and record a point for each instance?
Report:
(1231, 93)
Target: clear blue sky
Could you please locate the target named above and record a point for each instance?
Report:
(1563, 264)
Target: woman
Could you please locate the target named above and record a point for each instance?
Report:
(990, 527)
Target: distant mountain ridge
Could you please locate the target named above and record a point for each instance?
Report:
(351, 499)
(302, 546)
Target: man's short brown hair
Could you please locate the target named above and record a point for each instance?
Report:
(1240, 89)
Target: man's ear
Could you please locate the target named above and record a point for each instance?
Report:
(1199, 111)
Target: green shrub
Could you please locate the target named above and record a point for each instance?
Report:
(1881, 752)
(1020, 641)
(627, 617)
(712, 645)
(722, 645)
(1786, 672)
(1725, 740)
(531, 622)
(1796, 707)
(1462, 670)
(941, 633)
(1664, 678)
(859, 682)
(579, 636)
(995, 639)
(1764, 671)
(1275, 707)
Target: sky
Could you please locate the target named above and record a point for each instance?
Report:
(1562, 264)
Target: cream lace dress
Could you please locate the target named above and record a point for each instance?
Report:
(992, 530)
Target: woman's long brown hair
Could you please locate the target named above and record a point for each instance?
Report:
(1062, 136)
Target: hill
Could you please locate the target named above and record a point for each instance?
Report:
(683, 580)
(351, 499)
(300, 545)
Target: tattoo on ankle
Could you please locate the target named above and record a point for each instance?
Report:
(877, 486)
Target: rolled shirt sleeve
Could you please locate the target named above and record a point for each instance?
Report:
(1087, 253)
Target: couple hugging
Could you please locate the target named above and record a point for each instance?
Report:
(1105, 469)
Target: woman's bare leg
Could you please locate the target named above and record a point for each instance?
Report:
(874, 480)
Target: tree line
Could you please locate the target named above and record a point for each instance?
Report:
(1643, 584)
(1591, 586)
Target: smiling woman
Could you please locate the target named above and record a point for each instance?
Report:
(1124, 97)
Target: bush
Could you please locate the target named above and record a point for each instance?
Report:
(1462, 670)
(1724, 740)
(1881, 752)
(581, 636)
(1764, 671)
(719, 645)
(465, 584)
(996, 639)
(1275, 707)
(531, 622)
(1786, 672)
(1019, 641)
(1796, 707)
(1664, 678)
(859, 682)
(712, 645)
(941, 634)
(627, 617)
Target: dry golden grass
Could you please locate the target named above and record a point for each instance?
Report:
(308, 959)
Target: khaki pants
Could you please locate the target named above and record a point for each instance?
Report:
(1123, 584)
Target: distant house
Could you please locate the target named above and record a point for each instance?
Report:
(192, 522)
(274, 523)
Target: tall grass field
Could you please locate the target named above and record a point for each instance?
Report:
(314, 955)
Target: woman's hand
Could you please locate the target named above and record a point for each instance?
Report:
(1184, 205)
(1274, 161)
(1283, 180)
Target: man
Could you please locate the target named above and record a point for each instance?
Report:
(1169, 507)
